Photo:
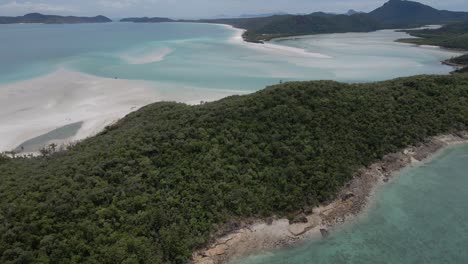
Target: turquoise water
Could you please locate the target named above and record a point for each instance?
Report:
(421, 217)
(199, 55)
(39, 142)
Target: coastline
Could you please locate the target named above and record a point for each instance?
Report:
(258, 235)
(271, 47)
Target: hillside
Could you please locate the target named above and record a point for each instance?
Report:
(453, 36)
(266, 28)
(401, 13)
(147, 19)
(52, 19)
(393, 14)
(154, 186)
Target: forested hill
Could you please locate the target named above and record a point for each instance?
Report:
(402, 13)
(147, 19)
(154, 186)
(52, 19)
(453, 35)
(260, 29)
(393, 14)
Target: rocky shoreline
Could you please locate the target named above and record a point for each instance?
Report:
(254, 235)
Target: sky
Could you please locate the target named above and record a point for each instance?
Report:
(198, 8)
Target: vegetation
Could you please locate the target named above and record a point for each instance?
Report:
(266, 28)
(406, 14)
(462, 60)
(454, 36)
(393, 14)
(154, 186)
(147, 19)
(52, 19)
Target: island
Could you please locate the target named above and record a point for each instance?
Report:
(147, 19)
(52, 19)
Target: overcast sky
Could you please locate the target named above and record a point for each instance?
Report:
(198, 8)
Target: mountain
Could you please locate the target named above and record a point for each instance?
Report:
(408, 13)
(147, 19)
(154, 186)
(262, 15)
(266, 28)
(52, 19)
(393, 14)
(353, 12)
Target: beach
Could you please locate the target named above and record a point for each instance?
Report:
(255, 236)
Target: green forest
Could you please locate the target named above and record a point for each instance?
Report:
(157, 184)
(453, 36)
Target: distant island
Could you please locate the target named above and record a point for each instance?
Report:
(52, 19)
(147, 19)
(393, 14)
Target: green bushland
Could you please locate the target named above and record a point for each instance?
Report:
(462, 60)
(155, 186)
(266, 28)
(454, 36)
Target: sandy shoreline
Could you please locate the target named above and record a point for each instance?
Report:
(35, 107)
(272, 48)
(255, 236)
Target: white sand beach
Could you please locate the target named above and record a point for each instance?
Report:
(34, 107)
(273, 48)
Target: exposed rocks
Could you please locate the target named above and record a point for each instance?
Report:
(347, 196)
(302, 218)
(324, 232)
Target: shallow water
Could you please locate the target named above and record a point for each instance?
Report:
(182, 62)
(420, 217)
(61, 133)
(200, 55)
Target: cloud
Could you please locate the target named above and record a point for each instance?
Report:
(20, 8)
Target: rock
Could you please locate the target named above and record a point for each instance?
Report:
(297, 230)
(269, 221)
(324, 233)
(217, 250)
(308, 210)
(385, 179)
(347, 196)
(302, 218)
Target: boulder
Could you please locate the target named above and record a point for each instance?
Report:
(324, 232)
(347, 196)
(302, 218)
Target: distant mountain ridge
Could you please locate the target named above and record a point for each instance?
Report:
(52, 19)
(147, 19)
(393, 14)
(409, 13)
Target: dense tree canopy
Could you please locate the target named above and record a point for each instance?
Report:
(154, 186)
(453, 36)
